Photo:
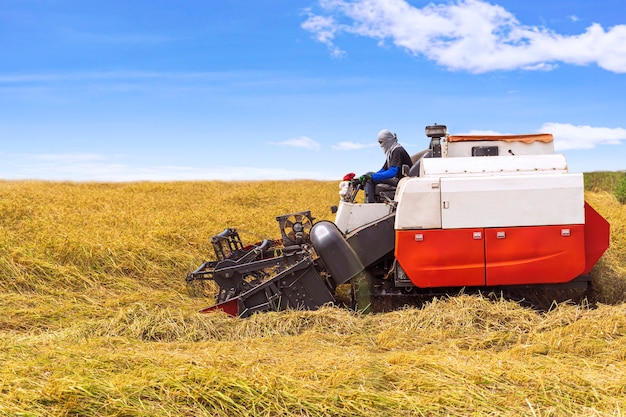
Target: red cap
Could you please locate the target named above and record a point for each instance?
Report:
(349, 176)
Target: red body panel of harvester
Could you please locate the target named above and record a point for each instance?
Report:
(552, 254)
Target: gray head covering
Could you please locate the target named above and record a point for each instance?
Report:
(389, 142)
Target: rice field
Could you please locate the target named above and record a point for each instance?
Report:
(95, 320)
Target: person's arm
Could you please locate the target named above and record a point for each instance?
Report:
(387, 174)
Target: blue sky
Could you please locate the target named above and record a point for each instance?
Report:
(281, 89)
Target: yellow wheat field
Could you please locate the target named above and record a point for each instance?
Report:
(95, 320)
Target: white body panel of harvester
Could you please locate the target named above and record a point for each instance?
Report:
(492, 191)
(351, 216)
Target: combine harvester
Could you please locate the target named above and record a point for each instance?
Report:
(492, 214)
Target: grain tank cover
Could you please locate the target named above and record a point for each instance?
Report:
(537, 137)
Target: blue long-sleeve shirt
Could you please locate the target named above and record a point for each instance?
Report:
(385, 174)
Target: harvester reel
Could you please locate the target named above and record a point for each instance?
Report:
(295, 228)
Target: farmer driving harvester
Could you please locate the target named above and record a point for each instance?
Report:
(386, 178)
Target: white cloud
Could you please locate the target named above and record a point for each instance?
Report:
(324, 29)
(120, 168)
(468, 35)
(351, 146)
(304, 142)
(70, 158)
(568, 136)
